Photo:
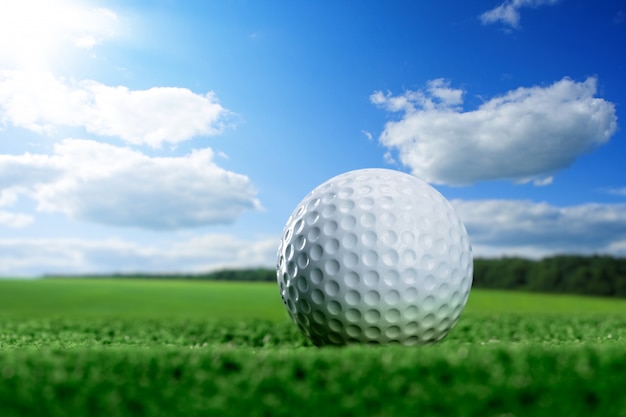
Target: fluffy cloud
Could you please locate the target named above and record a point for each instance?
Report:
(28, 257)
(526, 134)
(508, 12)
(118, 186)
(510, 227)
(40, 102)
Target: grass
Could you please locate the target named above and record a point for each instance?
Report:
(168, 348)
(232, 300)
(140, 299)
(516, 302)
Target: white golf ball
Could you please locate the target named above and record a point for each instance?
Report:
(374, 256)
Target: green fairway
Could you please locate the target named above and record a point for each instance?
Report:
(106, 347)
(515, 302)
(232, 300)
(141, 298)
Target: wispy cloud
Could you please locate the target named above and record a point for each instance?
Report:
(508, 13)
(526, 228)
(617, 191)
(525, 135)
(543, 181)
(100, 183)
(33, 256)
(14, 219)
(41, 103)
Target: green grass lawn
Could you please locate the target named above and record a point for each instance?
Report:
(165, 299)
(127, 298)
(102, 347)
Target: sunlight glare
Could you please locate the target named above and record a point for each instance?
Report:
(33, 32)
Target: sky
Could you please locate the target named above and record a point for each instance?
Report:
(163, 136)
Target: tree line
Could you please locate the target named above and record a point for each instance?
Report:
(249, 275)
(573, 274)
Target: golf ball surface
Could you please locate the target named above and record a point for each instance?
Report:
(374, 256)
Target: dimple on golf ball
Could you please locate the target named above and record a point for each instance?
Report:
(374, 256)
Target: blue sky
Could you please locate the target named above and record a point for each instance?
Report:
(179, 136)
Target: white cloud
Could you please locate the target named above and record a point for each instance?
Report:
(508, 12)
(526, 134)
(28, 257)
(439, 91)
(40, 102)
(111, 185)
(526, 228)
(33, 31)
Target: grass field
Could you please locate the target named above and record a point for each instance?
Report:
(175, 348)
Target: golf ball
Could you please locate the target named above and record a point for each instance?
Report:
(374, 256)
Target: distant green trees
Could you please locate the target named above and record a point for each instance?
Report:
(259, 274)
(251, 274)
(574, 274)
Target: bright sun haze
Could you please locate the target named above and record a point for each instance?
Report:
(34, 32)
